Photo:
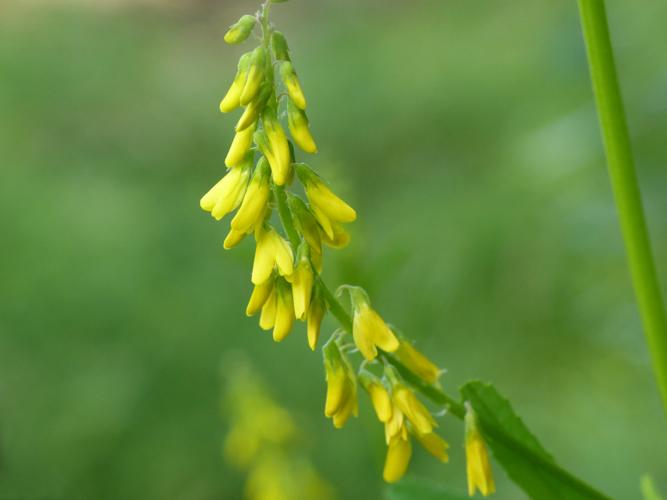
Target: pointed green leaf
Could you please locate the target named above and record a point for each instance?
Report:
(519, 452)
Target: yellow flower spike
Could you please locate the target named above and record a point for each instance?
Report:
(279, 45)
(478, 467)
(259, 296)
(316, 313)
(284, 311)
(238, 150)
(227, 194)
(232, 99)
(278, 145)
(298, 124)
(368, 328)
(252, 111)
(413, 409)
(267, 318)
(292, 84)
(398, 457)
(254, 204)
(434, 444)
(417, 363)
(240, 31)
(255, 76)
(378, 394)
(340, 238)
(302, 287)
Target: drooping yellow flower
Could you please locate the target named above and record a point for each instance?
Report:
(254, 204)
(480, 476)
(238, 150)
(259, 296)
(292, 84)
(253, 109)
(341, 400)
(398, 457)
(275, 146)
(302, 282)
(395, 425)
(369, 329)
(227, 194)
(272, 251)
(434, 444)
(316, 313)
(267, 318)
(255, 75)
(297, 121)
(326, 206)
(232, 99)
(417, 363)
(307, 226)
(240, 31)
(340, 238)
(378, 394)
(284, 311)
(405, 399)
(233, 238)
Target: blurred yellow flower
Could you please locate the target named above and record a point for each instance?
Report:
(417, 363)
(480, 476)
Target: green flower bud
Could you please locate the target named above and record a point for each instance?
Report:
(240, 31)
(280, 48)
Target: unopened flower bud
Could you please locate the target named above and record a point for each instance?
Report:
(232, 99)
(240, 31)
(292, 84)
(255, 75)
(279, 45)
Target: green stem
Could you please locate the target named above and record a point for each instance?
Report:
(624, 184)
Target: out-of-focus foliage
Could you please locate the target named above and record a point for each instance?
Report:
(464, 133)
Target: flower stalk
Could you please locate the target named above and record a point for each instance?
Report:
(625, 186)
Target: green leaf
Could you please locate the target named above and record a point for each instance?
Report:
(421, 489)
(519, 452)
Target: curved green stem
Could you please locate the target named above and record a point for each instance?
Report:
(625, 186)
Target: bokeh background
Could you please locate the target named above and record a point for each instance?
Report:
(462, 131)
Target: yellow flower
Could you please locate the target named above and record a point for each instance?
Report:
(417, 363)
(302, 283)
(273, 144)
(297, 121)
(254, 205)
(240, 31)
(413, 409)
(395, 425)
(259, 296)
(326, 206)
(252, 110)
(279, 45)
(341, 401)
(267, 318)
(434, 444)
(233, 238)
(271, 251)
(480, 476)
(307, 226)
(292, 85)
(316, 313)
(284, 311)
(255, 75)
(340, 238)
(369, 329)
(232, 98)
(227, 194)
(396, 463)
(378, 394)
(240, 146)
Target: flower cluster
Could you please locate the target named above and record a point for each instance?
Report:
(262, 185)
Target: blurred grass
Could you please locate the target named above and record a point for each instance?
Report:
(465, 135)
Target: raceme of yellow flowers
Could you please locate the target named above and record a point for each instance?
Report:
(264, 177)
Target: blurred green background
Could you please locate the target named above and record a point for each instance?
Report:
(462, 131)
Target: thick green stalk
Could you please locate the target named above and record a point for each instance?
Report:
(624, 184)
